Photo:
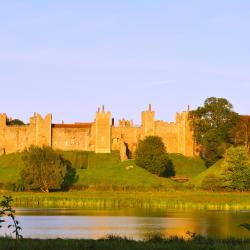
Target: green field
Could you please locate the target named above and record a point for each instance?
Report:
(105, 171)
(154, 243)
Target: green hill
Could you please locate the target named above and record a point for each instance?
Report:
(97, 171)
(10, 167)
(215, 169)
(105, 171)
(187, 166)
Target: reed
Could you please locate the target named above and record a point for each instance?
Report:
(151, 199)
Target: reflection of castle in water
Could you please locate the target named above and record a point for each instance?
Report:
(100, 136)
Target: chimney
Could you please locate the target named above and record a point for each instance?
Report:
(149, 108)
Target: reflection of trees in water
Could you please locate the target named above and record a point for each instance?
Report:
(219, 224)
(226, 223)
(139, 223)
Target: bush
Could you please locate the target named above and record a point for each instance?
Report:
(151, 154)
(45, 169)
(237, 168)
(211, 182)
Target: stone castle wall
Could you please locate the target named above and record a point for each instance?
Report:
(100, 135)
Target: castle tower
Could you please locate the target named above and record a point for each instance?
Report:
(185, 135)
(42, 129)
(103, 131)
(3, 120)
(148, 122)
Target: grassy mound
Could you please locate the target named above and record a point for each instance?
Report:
(10, 167)
(91, 160)
(187, 166)
(97, 171)
(124, 175)
(105, 171)
(215, 169)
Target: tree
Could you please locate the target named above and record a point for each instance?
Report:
(212, 125)
(241, 132)
(11, 122)
(45, 169)
(236, 165)
(151, 154)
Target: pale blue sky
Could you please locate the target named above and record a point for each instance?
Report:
(68, 57)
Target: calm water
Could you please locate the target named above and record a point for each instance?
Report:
(135, 223)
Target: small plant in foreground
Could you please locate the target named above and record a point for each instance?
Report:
(7, 210)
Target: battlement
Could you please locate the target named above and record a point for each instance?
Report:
(125, 123)
(100, 135)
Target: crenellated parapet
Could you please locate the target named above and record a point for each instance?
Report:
(42, 129)
(99, 136)
(125, 123)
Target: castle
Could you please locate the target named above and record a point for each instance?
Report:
(100, 136)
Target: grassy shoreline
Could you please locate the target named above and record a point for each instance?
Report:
(116, 199)
(156, 243)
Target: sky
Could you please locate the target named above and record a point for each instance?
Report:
(69, 57)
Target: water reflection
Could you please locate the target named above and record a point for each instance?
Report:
(134, 223)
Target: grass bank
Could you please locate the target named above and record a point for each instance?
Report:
(106, 172)
(134, 199)
(114, 243)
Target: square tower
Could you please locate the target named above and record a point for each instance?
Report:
(103, 131)
(148, 122)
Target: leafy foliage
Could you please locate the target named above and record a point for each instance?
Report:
(241, 132)
(237, 168)
(7, 210)
(151, 154)
(211, 182)
(212, 124)
(11, 122)
(45, 169)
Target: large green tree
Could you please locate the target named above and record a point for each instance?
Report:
(46, 169)
(151, 154)
(212, 125)
(236, 167)
(241, 132)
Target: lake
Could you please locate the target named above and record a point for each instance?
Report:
(134, 223)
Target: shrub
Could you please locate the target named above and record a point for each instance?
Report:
(45, 169)
(211, 182)
(151, 154)
(236, 166)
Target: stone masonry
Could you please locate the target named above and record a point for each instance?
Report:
(100, 136)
